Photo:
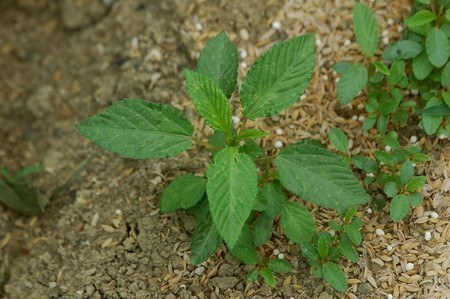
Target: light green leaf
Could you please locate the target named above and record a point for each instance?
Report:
(381, 67)
(341, 67)
(347, 250)
(404, 49)
(334, 275)
(338, 139)
(366, 28)
(422, 66)
(278, 78)
(406, 173)
(399, 207)
(416, 183)
(320, 176)
(205, 240)
(297, 222)
(219, 61)
(252, 149)
(253, 275)
(438, 47)
(274, 198)
(139, 129)
(353, 81)
(415, 199)
(251, 134)
(445, 77)
(231, 188)
(429, 122)
(279, 266)
(184, 192)
(244, 250)
(27, 201)
(262, 229)
(268, 276)
(422, 17)
(391, 189)
(322, 246)
(209, 100)
(352, 231)
(437, 110)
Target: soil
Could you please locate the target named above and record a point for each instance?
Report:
(103, 236)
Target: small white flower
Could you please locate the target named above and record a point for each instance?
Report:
(278, 144)
(427, 236)
(386, 40)
(279, 132)
(434, 215)
(390, 22)
(414, 92)
(379, 232)
(369, 211)
(243, 54)
(347, 42)
(370, 175)
(385, 33)
(236, 120)
(318, 42)
(280, 256)
(276, 25)
(409, 266)
(387, 148)
(276, 251)
(389, 248)
(413, 139)
(198, 26)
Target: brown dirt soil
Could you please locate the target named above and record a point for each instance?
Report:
(103, 237)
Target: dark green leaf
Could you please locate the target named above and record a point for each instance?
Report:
(352, 230)
(209, 100)
(274, 198)
(262, 229)
(347, 250)
(279, 266)
(278, 77)
(391, 139)
(184, 192)
(438, 47)
(251, 134)
(253, 275)
(406, 173)
(338, 139)
(268, 276)
(334, 275)
(341, 67)
(404, 49)
(422, 67)
(219, 61)
(399, 207)
(244, 250)
(391, 189)
(351, 83)
(438, 110)
(422, 17)
(139, 129)
(415, 199)
(322, 247)
(381, 67)
(416, 183)
(27, 201)
(445, 77)
(252, 149)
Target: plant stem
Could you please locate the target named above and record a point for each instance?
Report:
(205, 144)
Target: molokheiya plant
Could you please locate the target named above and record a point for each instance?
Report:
(418, 64)
(392, 173)
(244, 192)
(17, 194)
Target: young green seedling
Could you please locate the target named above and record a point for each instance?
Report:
(234, 201)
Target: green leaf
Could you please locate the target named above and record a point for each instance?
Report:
(445, 77)
(262, 229)
(404, 49)
(416, 183)
(368, 123)
(422, 67)
(418, 158)
(415, 199)
(231, 188)
(253, 275)
(251, 134)
(366, 28)
(310, 253)
(27, 201)
(391, 189)
(209, 100)
(438, 47)
(399, 207)
(244, 250)
(278, 78)
(338, 139)
(352, 230)
(341, 67)
(205, 240)
(397, 72)
(446, 97)
(347, 250)
(279, 266)
(219, 61)
(406, 173)
(438, 110)
(26, 171)
(391, 139)
(268, 276)
(422, 17)
(139, 129)
(320, 176)
(334, 225)
(274, 198)
(353, 81)
(322, 246)
(381, 67)
(297, 222)
(431, 123)
(184, 192)
(334, 275)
